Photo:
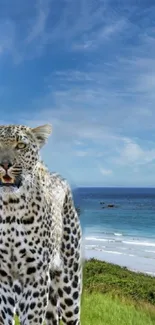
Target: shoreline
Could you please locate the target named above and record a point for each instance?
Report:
(132, 263)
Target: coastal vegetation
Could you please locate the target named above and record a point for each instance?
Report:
(114, 295)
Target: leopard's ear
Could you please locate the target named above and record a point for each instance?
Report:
(42, 133)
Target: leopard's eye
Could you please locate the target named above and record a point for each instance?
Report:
(21, 145)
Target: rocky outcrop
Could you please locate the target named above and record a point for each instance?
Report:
(111, 206)
(103, 206)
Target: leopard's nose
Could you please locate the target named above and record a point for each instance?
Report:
(5, 164)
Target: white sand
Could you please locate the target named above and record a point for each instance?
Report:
(134, 263)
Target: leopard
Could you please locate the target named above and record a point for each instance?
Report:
(40, 234)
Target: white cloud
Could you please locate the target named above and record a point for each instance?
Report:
(105, 172)
(38, 26)
(79, 148)
(133, 153)
(81, 153)
(66, 26)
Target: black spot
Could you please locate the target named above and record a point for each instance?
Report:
(21, 306)
(72, 224)
(28, 221)
(30, 259)
(4, 251)
(76, 278)
(63, 247)
(74, 284)
(66, 237)
(49, 315)
(66, 279)
(62, 306)
(68, 302)
(60, 292)
(75, 295)
(43, 293)
(18, 244)
(4, 299)
(64, 320)
(17, 289)
(36, 294)
(39, 265)
(74, 231)
(35, 285)
(58, 273)
(13, 200)
(67, 290)
(72, 239)
(32, 251)
(30, 243)
(23, 197)
(53, 301)
(38, 198)
(23, 252)
(76, 242)
(75, 267)
(72, 322)
(67, 230)
(68, 246)
(9, 311)
(13, 219)
(8, 219)
(40, 250)
(22, 207)
(3, 273)
(71, 274)
(3, 315)
(76, 310)
(31, 270)
(19, 265)
(41, 281)
(11, 301)
(69, 314)
(45, 301)
(71, 262)
(30, 316)
(28, 294)
(36, 230)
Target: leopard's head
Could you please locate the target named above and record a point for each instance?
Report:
(19, 153)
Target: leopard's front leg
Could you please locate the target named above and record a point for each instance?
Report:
(34, 300)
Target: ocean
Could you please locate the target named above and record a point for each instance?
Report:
(123, 234)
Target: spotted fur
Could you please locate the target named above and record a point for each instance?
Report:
(40, 236)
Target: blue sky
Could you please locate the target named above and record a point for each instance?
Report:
(88, 68)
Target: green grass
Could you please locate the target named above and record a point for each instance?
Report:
(113, 295)
(106, 310)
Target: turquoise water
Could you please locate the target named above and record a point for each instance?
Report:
(124, 234)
